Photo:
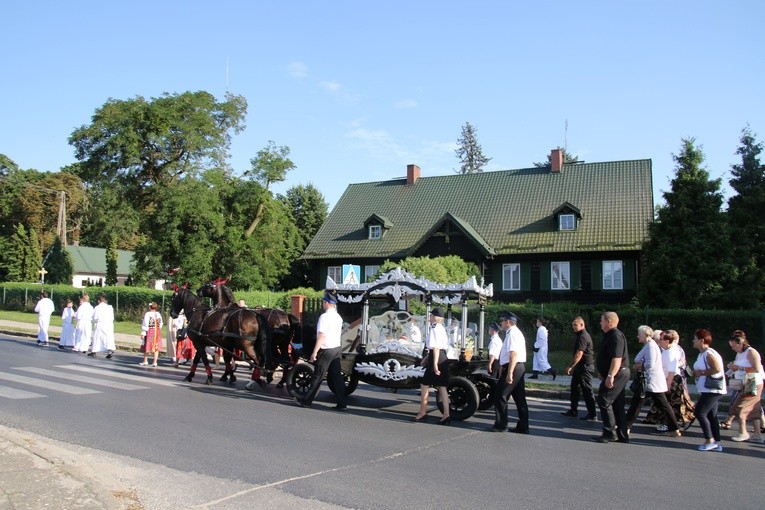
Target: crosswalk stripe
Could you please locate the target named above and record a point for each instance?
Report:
(50, 385)
(16, 394)
(147, 379)
(82, 379)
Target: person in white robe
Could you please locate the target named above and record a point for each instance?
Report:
(44, 309)
(103, 333)
(84, 330)
(67, 328)
(540, 363)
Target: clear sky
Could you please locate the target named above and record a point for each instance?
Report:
(359, 89)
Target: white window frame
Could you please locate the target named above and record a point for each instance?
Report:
(375, 231)
(370, 272)
(511, 285)
(569, 224)
(338, 273)
(563, 279)
(611, 268)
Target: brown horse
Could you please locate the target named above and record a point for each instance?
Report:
(229, 329)
(284, 328)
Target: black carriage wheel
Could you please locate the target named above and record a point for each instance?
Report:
(351, 383)
(485, 386)
(299, 380)
(463, 399)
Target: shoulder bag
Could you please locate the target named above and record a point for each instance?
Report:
(750, 385)
(712, 383)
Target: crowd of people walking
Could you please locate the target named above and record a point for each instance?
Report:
(660, 369)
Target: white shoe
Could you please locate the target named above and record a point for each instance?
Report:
(154, 364)
(662, 428)
(144, 364)
(740, 437)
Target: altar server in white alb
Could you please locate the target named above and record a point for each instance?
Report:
(540, 364)
(67, 328)
(83, 332)
(44, 309)
(103, 333)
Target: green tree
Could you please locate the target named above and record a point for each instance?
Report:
(109, 216)
(686, 254)
(59, 264)
(308, 210)
(111, 263)
(23, 258)
(747, 287)
(449, 269)
(567, 159)
(146, 143)
(269, 166)
(469, 151)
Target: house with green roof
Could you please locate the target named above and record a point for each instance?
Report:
(565, 232)
(90, 264)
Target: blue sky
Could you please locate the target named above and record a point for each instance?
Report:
(359, 89)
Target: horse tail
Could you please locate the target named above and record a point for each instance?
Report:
(297, 330)
(264, 340)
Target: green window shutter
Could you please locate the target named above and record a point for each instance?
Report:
(525, 276)
(576, 275)
(596, 269)
(544, 275)
(628, 266)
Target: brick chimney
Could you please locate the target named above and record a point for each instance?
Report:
(412, 174)
(556, 160)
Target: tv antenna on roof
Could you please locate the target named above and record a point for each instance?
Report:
(565, 135)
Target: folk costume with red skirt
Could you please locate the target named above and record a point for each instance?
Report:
(151, 330)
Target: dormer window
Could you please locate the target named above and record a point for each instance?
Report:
(567, 222)
(567, 217)
(377, 226)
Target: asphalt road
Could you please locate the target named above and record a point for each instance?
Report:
(187, 445)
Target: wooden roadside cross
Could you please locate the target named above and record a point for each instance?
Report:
(42, 272)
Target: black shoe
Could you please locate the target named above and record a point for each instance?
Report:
(340, 408)
(61, 347)
(534, 376)
(553, 373)
(91, 354)
(570, 413)
(445, 421)
(109, 356)
(421, 419)
(623, 438)
(495, 429)
(605, 438)
(519, 430)
(590, 417)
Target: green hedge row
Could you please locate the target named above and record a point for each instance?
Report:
(130, 303)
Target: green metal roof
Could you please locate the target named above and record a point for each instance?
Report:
(504, 212)
(87, 260)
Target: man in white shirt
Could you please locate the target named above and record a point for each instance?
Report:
(511, 359)
(326, 354)
(44, 309)
(495, 347)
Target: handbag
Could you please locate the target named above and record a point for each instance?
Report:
(750, 386)
(735, 384)
(638, 385)
(712, 383)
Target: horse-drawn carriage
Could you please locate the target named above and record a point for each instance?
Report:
(378, 351)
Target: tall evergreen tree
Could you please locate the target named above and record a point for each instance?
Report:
(745, 211)
(469, 151)
(111, 262)
(23, 259)
(687, 256)
(59, 264)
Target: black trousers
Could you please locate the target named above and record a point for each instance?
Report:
(660, 399)
(581, 384)
(328, 362)
(611, 403)
(504, 391)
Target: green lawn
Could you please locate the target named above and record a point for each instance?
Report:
(129, 328)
